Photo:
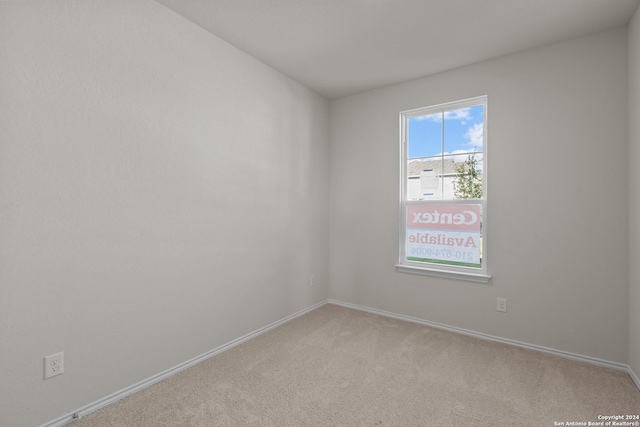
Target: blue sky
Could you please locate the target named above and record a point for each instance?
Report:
(463, 133)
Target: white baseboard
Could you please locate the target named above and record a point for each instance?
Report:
(119, 395)
(480, 335)
(634, 377)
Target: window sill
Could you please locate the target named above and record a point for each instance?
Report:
(471, 277)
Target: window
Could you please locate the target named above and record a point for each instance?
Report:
(443, 190)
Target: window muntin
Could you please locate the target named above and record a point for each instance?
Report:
(443, 188)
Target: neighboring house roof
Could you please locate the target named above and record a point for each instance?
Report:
(414, 167)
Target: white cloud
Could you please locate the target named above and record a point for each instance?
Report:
(475, 135)
(433, 117)
(461, 114)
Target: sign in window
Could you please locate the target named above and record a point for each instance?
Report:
(444, 234)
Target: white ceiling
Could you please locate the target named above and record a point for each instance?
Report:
(341, 47)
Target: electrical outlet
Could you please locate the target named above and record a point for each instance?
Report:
(311, 278)
(502, 305)
(53, 365)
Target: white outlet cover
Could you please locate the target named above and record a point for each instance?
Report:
(502, 305)
(53, 365)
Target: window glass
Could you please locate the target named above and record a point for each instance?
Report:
(443, 209)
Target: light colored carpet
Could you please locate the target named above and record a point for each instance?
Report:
(340, 367)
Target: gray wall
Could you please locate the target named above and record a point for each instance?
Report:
(634, 193)
(557, 206)
(162, 194)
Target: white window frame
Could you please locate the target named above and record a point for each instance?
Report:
(432, 269)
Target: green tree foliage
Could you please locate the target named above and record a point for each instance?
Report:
(468, 183)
